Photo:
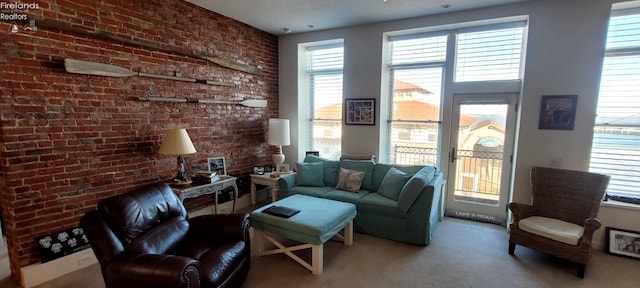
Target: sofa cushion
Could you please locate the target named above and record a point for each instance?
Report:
(392, 183)
(411, 190)
(364, 166)
(311, 191)
(350, 180)
(377, 204)
(555, 229)
(343, 196)
(310, 174)
(380, 170)
(330, 169)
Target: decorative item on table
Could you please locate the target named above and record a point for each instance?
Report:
(282, 168)
(279, 136)
(177, 142)
(217, 164)
(259, 170)
(206, 177)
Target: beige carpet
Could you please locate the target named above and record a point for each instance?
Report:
(462, 254)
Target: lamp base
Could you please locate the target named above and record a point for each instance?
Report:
(277, 159)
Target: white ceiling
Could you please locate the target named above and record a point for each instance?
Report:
(274, 16)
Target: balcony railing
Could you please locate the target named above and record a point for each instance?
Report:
(478, 172)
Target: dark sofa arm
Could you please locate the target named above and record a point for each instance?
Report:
(217, 226)
(152, 270)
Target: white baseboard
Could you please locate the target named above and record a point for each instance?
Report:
(39, 273)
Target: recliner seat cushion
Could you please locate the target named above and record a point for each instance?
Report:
(555, 229)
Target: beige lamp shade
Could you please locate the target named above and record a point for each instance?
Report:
(177, 142)
(279, 136)
(279, 132)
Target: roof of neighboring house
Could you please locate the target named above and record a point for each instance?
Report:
(401, 85)
(485, 123)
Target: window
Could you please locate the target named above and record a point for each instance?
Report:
(616, 137)
(417, 69)
(325, 84)
(489, 52)
(417, 65)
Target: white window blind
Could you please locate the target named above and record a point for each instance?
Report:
(325, 75)
(489, 53)
(616, 138)
(419, 48)
(416, 66)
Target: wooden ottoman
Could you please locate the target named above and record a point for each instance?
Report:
(318, 221)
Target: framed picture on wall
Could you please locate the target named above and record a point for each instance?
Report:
(360, 111)
(558, 112)
(217, 164)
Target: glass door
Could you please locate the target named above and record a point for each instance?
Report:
(480, 157)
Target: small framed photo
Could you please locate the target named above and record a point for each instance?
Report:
(558, 112)
(259, 170)
(622, 242)
(360, 111)
(282, 168)
(217, 164)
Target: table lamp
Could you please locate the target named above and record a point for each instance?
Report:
(177, 142)
(278, 136)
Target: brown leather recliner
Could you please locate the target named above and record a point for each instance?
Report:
(144, 238)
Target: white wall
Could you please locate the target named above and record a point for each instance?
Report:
(564, 56)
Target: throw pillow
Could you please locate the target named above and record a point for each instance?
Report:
(364, 166)
(310, 174)
(350, 180)
(392, 183)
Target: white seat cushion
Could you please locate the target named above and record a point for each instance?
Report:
(555, 229)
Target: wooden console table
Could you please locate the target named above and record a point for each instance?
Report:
(197, 189)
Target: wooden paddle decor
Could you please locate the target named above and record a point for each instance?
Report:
(248, 102)
(149, 45)
(101, 69)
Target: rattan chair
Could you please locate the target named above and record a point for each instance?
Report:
(562, 217)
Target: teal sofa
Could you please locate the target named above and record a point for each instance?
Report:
(395, 202)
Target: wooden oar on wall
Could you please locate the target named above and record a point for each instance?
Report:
(248, 102)
(149, 45)
(101, 69)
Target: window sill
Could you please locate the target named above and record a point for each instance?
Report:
(622, 205)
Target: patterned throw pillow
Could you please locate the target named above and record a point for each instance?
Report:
(350, 180)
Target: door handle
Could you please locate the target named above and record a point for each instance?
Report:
(453, 155)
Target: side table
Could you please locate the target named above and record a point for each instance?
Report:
(197, 189)
(265, 180)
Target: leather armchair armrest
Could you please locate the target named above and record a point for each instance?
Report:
(216, 226)
(520, 211)
(152, 270)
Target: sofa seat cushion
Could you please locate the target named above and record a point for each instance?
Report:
(344, 196)
(555, 229)
(377, 204)
(311, 191)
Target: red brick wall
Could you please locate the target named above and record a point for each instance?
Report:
(69, 140)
